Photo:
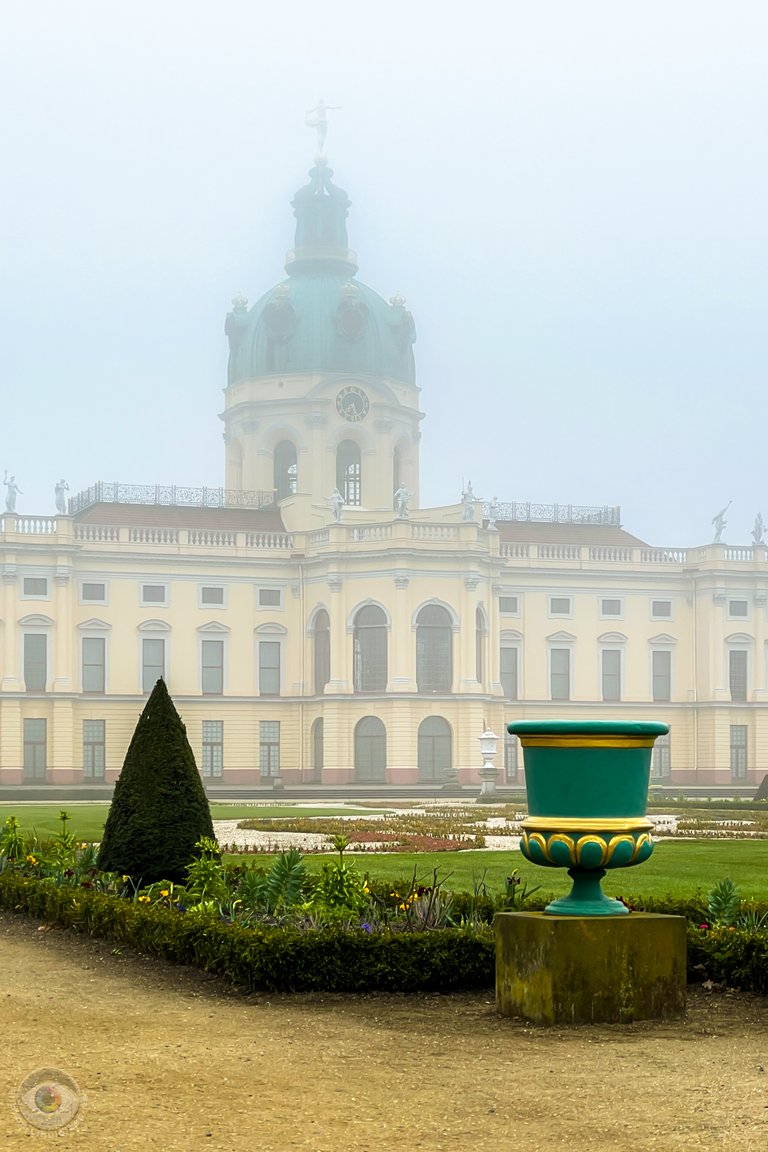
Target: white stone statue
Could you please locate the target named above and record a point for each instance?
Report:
(337, 503)
(758, 532)
(719, 522)
(61, 500)
(12, 491)
(400, 502)
(468, 500)
(493, 513)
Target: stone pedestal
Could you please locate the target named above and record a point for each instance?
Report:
(589, 970)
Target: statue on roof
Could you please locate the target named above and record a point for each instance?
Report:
(60, 490)
(336, 500)
(468, 500)
(758, 532)
(12, 491)
(400, 502)
(494, 511)
(316, 118)
(719, 522)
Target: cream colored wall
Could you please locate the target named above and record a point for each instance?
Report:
(401, 565)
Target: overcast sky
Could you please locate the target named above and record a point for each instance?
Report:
(572, 196)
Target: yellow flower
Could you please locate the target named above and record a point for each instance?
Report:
(366, 889)
(144, 899)
(126, 879)
(31, 860)
(402, 907)
(164, 892)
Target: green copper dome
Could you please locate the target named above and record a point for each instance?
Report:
(321, 318)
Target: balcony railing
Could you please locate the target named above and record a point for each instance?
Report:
(553, 513)
(175, 495)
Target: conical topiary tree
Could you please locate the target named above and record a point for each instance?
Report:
(159, 809)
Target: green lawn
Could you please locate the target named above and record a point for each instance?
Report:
(677, 867)
(88, 819)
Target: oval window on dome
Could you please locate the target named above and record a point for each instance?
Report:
(350, 321)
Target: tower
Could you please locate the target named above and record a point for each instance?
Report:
(321, 390)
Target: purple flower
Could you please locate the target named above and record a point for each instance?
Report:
(366, 927)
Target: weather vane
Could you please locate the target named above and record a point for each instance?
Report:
(316, 118)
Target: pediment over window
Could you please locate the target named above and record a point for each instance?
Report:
(662, 638)
(612, 638)
(213, 626)
(739, 638)
(94, 625)
(510, 634)
(154, 626)
(567, 637)
(270, 630)
(36, 620)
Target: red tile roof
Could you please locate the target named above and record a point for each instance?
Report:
(174, 516)
(543, 532)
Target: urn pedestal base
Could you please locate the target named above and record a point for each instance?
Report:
(590, 969)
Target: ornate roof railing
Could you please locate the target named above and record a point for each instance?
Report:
(553, 513)
(176, 495)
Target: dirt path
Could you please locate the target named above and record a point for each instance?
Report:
(169, 1059)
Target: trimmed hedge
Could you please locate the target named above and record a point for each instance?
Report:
(275, 959)
(334, 959)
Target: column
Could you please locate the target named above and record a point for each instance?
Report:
(341, 652)
(62, 660)
(10, 680)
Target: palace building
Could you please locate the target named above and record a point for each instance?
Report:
(316, 625)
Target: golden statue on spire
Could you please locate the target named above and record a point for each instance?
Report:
(316, 118)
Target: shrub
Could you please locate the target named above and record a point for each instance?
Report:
(159, 810)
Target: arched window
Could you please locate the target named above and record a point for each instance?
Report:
(434, 650)
(370, 650)
(322, 653)
(435, 749)
(480, 631)
(285, 469)
(318, 751)
(370, 751)
(348, 476)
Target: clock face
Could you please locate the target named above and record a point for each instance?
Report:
(352, 404)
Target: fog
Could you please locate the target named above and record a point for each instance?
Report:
(571, 197)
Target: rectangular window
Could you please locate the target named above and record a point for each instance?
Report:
(560, 673)
(94, 661)
(269, 747)
(508, 605)
(510, 758)
(212, 658)
(738, 608)
(738, 751)
(611, 674)
(610, 607)
(661, 670)
(35, 587)
(35, 661)
(559, 605)
(152, 662)
(269, 667)
(660, 759)
(213, 749)
(212, 596)
(93, 593)
(737, 673)
(661, 609)
(508, 672)
(35, 740)
(93, 749)
(153, 593)
(269, 597)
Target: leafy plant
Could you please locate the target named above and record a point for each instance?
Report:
(12, 840)
(724, 903)
(206, 878)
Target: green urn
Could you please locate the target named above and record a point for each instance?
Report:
(587, 786)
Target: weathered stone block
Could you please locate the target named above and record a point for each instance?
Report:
(590, 969)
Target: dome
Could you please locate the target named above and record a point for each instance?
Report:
(321, 318)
